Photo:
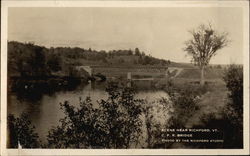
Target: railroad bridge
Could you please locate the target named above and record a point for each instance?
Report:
(87, 69)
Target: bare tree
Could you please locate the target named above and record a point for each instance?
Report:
(203, 45)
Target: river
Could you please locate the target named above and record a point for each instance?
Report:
(45, 112)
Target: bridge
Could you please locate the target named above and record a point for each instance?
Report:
(171, 72)
(129, 77)
(88, 69)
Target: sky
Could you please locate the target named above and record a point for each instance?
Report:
(160, 32)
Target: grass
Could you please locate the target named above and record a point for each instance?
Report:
(194, 73)
(213, 101)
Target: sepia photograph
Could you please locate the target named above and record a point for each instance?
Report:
(124, 76)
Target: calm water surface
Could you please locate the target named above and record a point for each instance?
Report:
(45, 112)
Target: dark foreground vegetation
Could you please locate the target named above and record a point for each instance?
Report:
(230, 121)
(122, 121)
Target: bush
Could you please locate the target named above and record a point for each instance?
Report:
(21, 131)
(181, 104)
(233, 77)
(115, 123)
(185, 103)
(228, 130)
(156, 117)
(185, 100)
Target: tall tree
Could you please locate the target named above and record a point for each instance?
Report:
(137, 52)
(203, 45)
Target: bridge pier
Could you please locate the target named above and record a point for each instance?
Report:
(129, 79)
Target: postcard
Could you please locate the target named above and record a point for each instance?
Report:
(124, 77)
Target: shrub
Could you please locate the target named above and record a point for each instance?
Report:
(229, 131)
(115, 124)
(156, 117)
(233, 78)
(21, 131)
(184, 106)
(185, 100)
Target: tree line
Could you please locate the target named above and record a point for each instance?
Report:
(28, 59)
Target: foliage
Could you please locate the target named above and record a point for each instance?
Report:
(181, 104)
(233, 112)
(28, 59)
(233, 77)
(54, 63)
(117, 121)
(156, 118)
(137, 52)
(204, 45)
(228, 130)
(115, 124)
(185, 102)
(230, 120)
(21, 131)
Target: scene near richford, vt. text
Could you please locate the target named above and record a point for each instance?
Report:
(125, 78)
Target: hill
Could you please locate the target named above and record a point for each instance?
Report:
(33, 60)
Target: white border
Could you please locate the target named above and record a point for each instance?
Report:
(4, 14)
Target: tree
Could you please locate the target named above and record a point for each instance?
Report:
(233, 78)
(147, 60)
(203, 45)
(130, 52)
(26, 59)
(54, 62)
(104, 60)
(121, 60)
(137, 52)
